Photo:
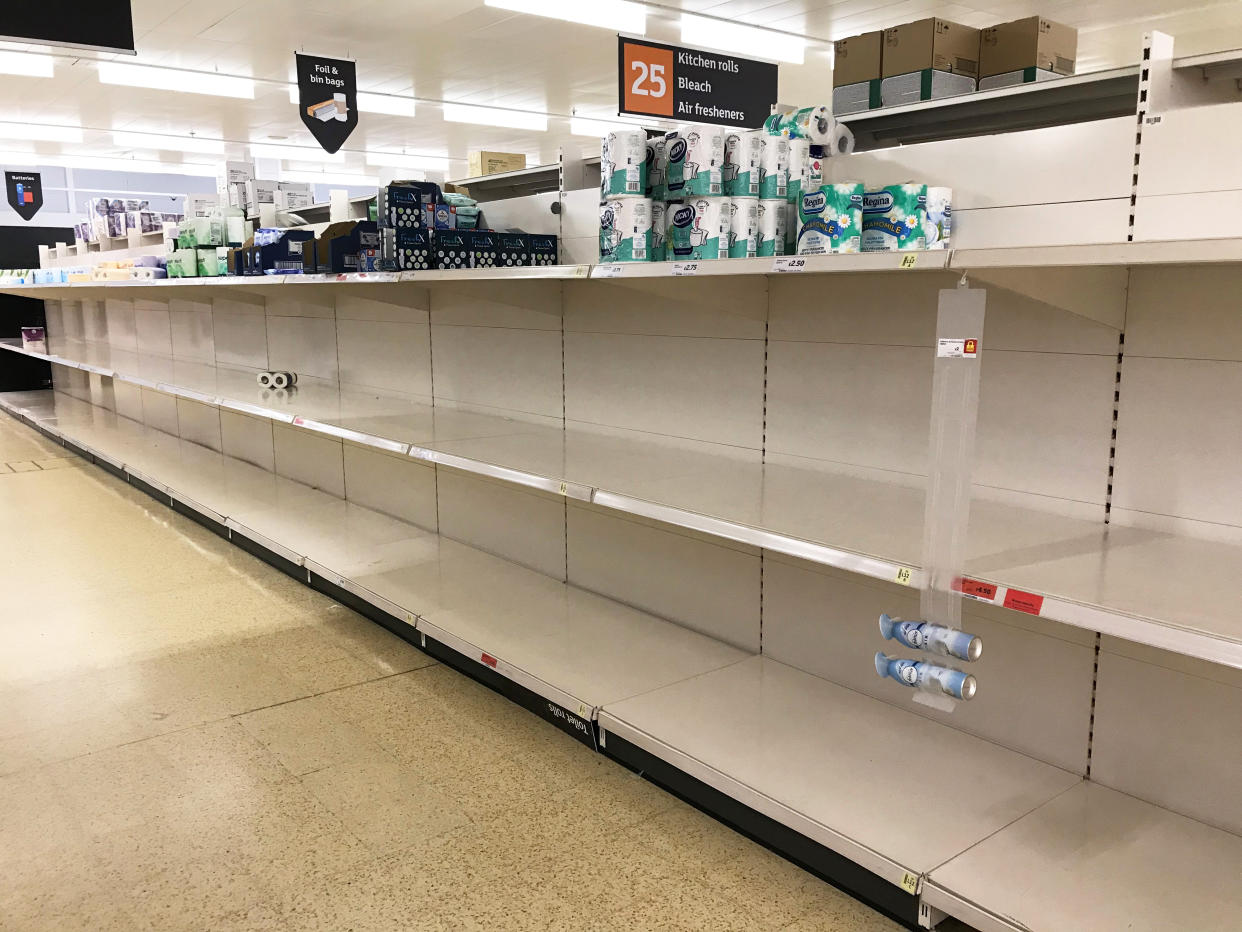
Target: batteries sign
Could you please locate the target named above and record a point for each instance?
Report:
(327, 99)
(693, 86)
(25, 192)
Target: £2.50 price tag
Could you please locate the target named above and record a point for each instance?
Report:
(685, 268)
(789, 264)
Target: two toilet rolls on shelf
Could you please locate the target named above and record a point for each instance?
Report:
(277, 379)
(814, 124)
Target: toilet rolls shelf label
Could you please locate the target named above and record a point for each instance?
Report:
(693, 85)
(789, 264)
(904, 575)
(685, 268)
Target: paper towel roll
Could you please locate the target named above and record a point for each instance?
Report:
(841, 140)
(280, 380)
(774, 168)
(625, 230)
(743, 152)
(703, 161)
(623, 164)
(772, 228)
(657, 162)
(659, 230)
(814, 124)
(698, 228)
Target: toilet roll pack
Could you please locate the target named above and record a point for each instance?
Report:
(625, 229)
(893, 218)
(743, 154)
(829, 220)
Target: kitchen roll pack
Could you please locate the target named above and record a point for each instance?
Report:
(743, 227)
(743, 154)
(698, 228)
(623, 164)
(625, 229)
(772, 227)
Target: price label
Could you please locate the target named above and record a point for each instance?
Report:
(607, 271)
(903, 575)
(908, 261)
(789, 264)
(564, 488)
(685, 268)
(910, 882)
(582, 271)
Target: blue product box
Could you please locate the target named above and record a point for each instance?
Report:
(452, 251)
(484, 246)
(446, 217)
(285, 255)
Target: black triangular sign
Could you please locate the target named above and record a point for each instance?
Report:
(327, 99)
(25, 191)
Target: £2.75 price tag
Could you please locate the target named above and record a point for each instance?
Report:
(607, 271)
(685, 268)
(789, 264)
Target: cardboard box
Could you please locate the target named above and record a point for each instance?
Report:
(491, 163)
(231, 183)
(930, 43)
(293, 195)
(1033, 43)
(259, 192)
(856, 72)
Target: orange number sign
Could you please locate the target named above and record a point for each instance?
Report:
(648, 75)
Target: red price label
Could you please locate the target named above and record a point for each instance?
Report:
(489, 660)
(978, 590)
(1024, 602)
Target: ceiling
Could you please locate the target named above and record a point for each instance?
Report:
(464, 51)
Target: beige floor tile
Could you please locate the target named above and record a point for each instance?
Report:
(306, 736)
(384, 804)
(60, 462)
(24, 466)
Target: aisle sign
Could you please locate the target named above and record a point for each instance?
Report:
(693, 86)
(327, 99)
(25, 191)
(107, 25)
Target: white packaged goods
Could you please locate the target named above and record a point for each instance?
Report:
(939, 216)
(703, 161)
(659, 230)
(893, 218)
(772, 226)
(774, 168)
(625, 230)
(829, 220)
(743, 227)
(657, 162)
(743, 151)
(815, 125)
(806, 170)
(698, 229)
(623, 164)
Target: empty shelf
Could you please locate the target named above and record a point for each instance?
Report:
(1094, 858)
(1151, 587)
(564, 643)
(891, 790)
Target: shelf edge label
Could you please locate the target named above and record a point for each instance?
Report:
(1024, 601)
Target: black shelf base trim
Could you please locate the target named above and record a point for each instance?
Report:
(571, 723)
(808, 854)
(211, 524)
(397, 626)
(148, 489)
(271, 558)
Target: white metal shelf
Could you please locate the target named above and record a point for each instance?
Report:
(1150, 587)
(575, 648)
(1094, 858)
(889, 789)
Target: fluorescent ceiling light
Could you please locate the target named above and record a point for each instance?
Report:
(495, 116)
(385, 103)
(24, 63)
(620, 15)
(106, 163)
(40, 132)
(745, 40)
(437, 163)
(369, 181)
(263, 150)
(596, 126)
(171, 79)
(171, 143)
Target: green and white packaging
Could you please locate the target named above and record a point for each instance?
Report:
(623, 164)
(939, 219)
(625, 230)
(659, 230)
(704, 161)
(743, 150)
(829, 220)
(698, 229)
(774, 168)
(893, 218)
(772, 227)
(743, 227)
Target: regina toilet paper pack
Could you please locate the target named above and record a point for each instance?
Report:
(772, 227)
(698, 228)
(829, 220)
(625, 230)
(938, 220)
(659, 230)
(893, 218)
(743, 151)
(743, 227)
(623, 163)
(806, 170)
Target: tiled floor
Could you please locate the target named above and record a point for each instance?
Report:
(190, 740)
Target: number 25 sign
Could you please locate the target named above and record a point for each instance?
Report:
(645, 75)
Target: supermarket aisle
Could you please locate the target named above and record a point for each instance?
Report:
(191, 740)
